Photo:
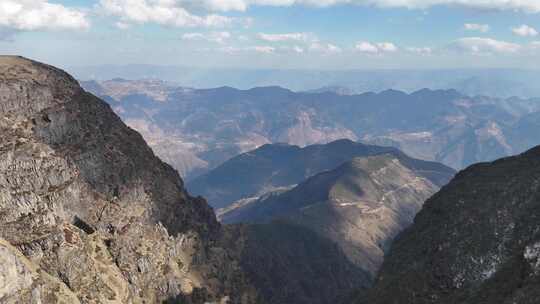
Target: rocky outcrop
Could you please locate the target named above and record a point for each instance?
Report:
(87, 212)
(475, 241)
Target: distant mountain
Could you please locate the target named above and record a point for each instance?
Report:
(275, 166)
(476, 241)
(490, 82)
(197, 130)
(333, 89)
(361, 205)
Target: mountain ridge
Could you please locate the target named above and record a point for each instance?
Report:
(197, 130)
(281, 165)
(479, 240)
(361, 205)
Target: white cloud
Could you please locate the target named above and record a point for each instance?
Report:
(217, 37)
(326, 48)
(484, 28)
(265, 49)
(308, 40)
(386, 47)
(525, 31)
(298, 49)
(482, 46)
(164, 12)
(530, 6)
(298, 37)
(32, 15)
(376, 48)
(366, 47)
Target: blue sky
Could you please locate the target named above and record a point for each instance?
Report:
(325, 34)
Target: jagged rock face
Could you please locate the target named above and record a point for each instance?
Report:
(88, 212)
(361, 205)
(476, 241)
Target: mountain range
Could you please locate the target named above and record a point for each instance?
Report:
(502, 83)
(196, 130)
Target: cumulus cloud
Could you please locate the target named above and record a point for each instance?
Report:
(217, 37)
(484, 28)
(525, 31)
(164, 12)
(32, 15)
(308, 41)
(482, 46)
(316, 48)
(264, 49)
(376, 48)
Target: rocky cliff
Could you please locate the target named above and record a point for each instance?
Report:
(87, 212)
(476, 241)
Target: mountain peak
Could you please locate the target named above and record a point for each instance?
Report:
(29, 86)
(21, 68)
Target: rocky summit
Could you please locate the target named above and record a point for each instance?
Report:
(477, 241)
(88, 214)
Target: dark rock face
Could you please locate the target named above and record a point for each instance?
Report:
(88, 213)
(476, 241)
(292, 264)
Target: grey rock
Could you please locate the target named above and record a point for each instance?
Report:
(88, 212)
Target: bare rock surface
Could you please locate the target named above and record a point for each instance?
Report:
(87, 212)
(476, 241)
